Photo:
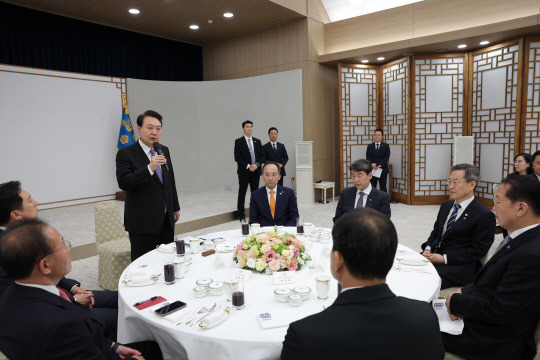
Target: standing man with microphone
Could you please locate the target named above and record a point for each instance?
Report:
(144, 171)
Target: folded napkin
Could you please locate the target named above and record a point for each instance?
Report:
(138, 270)
(412, 261)
(445, 323)
(167, 248)
(413, 269)
(139, 279)
(275, 319)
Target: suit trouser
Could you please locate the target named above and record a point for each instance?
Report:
(251, 179)
(106, 309)
(382, 180)
(143, 243)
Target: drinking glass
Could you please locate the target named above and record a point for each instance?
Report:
(245, 227)
(299, 226)
(180, 247)
(238, 295)
(168, 270)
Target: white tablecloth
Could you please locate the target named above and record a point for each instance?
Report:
(240, 336)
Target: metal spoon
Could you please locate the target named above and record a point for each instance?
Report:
(202, 317)
(201, 311)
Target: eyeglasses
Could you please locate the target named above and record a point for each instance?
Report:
(454, 183)
(67, 245)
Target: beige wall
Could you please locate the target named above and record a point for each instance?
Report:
(293, 45)
(426, 22)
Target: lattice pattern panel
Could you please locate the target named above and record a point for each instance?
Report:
(395, 120)
(494, 93)
(438, 119)
(532, 109)
(358, 114)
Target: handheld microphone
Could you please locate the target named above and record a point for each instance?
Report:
(157, 148)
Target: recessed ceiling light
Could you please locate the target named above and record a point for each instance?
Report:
(485, 42)
(134, 11)
(193, 27)
(380, 58)
(228, 14)
(365, 61)
(462, 46)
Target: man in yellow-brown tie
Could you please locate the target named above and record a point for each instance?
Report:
(273, 204)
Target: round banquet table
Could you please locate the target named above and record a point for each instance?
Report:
(240, 336)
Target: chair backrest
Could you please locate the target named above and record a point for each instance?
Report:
(109, 226)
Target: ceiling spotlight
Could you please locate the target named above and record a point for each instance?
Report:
(193, 27)
(365, 61)
(134, 11)
(380, 58)
(462, 46)
(485, 42)
(228, 14)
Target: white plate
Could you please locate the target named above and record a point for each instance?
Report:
(413, 262)
(225, 248)
(219, 241)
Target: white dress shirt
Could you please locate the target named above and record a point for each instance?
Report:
(366, 192)
(518, 232)
(252, 146)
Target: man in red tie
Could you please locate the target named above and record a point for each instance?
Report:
(273, 204)
(40, 322)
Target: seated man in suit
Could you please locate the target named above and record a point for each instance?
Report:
(463, 232)
(501, 307)
(367, 320)
(362, 194)
(17, 205)
(536, 166)
(275, 151)
(39, 320)
(273, 204)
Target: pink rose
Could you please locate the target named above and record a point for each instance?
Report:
(293, 265)
(270, 256)
(274, 265)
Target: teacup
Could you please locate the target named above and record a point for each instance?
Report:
(255, 228)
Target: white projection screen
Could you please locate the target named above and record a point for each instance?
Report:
(60, 130)
(201, 120)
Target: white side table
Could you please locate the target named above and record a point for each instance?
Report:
(324, 185)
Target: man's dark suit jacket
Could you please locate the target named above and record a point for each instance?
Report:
(36, 324)
(377, 200)
(501, 307)
(367, 323)
(533, 175)
(280, 156)
(146, 196)
(286, 212)
(465, 243)
(380, 157)
(243, 158)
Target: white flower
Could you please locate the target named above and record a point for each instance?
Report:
(300, 261)
(251, 263)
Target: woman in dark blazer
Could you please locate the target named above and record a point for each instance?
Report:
(522, 164)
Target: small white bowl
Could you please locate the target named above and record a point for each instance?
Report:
(216, 288)
(200, 291)
(282, 294)
(295, 300)
(303, 291)
(204, 282)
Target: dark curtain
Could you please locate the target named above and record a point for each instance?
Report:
(41, 40)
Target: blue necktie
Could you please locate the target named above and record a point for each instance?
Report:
(453, 217)
(275, 149)
(251, 151)
(360, 202)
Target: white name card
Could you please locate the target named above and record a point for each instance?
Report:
(241, 274)
(284, 277)
(218, 262)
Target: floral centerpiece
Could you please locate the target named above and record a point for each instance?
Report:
(271, 251)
